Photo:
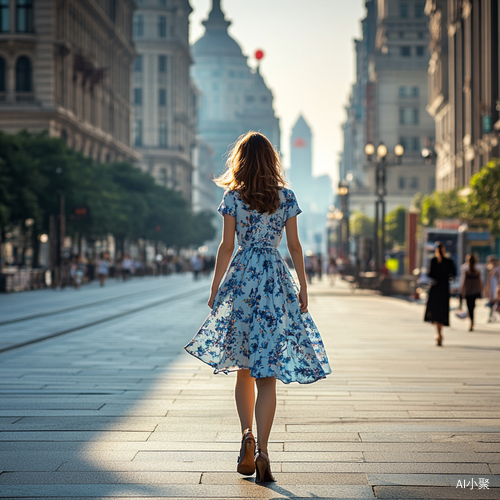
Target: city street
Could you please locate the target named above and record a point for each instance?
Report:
(110, 406)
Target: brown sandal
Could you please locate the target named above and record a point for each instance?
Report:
(263, 466)
(246, 462)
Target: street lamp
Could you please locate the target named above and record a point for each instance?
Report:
(343, 194)
(380, 192)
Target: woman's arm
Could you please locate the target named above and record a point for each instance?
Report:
(295, 249)
(224, 254)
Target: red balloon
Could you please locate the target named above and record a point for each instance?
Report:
(259, 54)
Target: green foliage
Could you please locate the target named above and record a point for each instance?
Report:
(396, 227)
(442, 205)
(361, 224)
(484, 198)
(122, 200)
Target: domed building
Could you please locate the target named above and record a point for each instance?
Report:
(234, 97)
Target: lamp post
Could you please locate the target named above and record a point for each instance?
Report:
(380, 164)
(343, 194)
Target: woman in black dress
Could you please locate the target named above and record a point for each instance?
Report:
(441, 271)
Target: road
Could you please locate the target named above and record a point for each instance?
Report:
(99, 400)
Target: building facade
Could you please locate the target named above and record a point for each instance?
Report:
(234, 98)
(164, 98)
(65, 66)
(388, 105)
(464, 83)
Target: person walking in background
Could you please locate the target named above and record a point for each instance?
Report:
(259, 324)
(471, 287)
(103, 268)
(333, 270)
(492, 282)
(441, 271)
(196, 265)
(127, 266)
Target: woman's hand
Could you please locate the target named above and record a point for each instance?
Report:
(303, 302)
(211, 300)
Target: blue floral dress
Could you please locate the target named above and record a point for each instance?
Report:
(256, 321)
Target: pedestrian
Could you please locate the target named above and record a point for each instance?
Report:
(196, 265)
(441, 270)
(259, 324)
(471, 287)
(103, 268)
(127, 266)
(333, 270)
(492, 282)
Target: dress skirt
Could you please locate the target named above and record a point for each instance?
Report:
(256, 323)
(438, 304)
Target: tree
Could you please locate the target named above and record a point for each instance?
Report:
(443, 205)
(361, 224)
(396, 226)
(484, 198)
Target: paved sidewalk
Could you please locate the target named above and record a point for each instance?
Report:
(119, 411)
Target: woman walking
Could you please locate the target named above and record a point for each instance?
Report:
(259, 325)
(441, 271)
(471, 287)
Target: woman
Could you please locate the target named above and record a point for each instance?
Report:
(259, 324)
(471, 287)
(441, 271)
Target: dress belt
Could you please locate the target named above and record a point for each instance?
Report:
(260, 247)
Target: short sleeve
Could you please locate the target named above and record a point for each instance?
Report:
(228, 204)
(292, 208)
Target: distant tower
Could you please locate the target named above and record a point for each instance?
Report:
(301, 160)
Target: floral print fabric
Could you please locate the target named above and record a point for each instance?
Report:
(256, 321)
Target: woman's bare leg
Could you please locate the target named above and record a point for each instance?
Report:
(265, 407)
(244, 394)
(439, 334)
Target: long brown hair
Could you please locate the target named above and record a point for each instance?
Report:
(254, 169)
(471, 261)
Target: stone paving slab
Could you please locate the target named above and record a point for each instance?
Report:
(433, 493)
(430, 479)
(120, 410)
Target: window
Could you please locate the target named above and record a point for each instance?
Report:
(138, 64)
(402, 91)
(432, 184)
(420, 35)
(408, 116)
(402, 183)
(4, 16)
(138, 97)
(419, 9)
(414, 183)
(2, 74)
(162, 97)
(23, 75)
(405, 51)
(414, 91)
(137, 132)
(162, 26)
(162, 3)
(138, 25)
(415, 143)
(162, 134)
(162, 64)
(404, 142)
(420, 51)
(403, 9)
(24, 16)
(249, 98)
(401, 34)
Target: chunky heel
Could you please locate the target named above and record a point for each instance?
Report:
(246, 463)
(263, 467)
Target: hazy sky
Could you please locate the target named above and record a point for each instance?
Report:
(309, 63)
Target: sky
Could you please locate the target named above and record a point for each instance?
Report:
(309, 62)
